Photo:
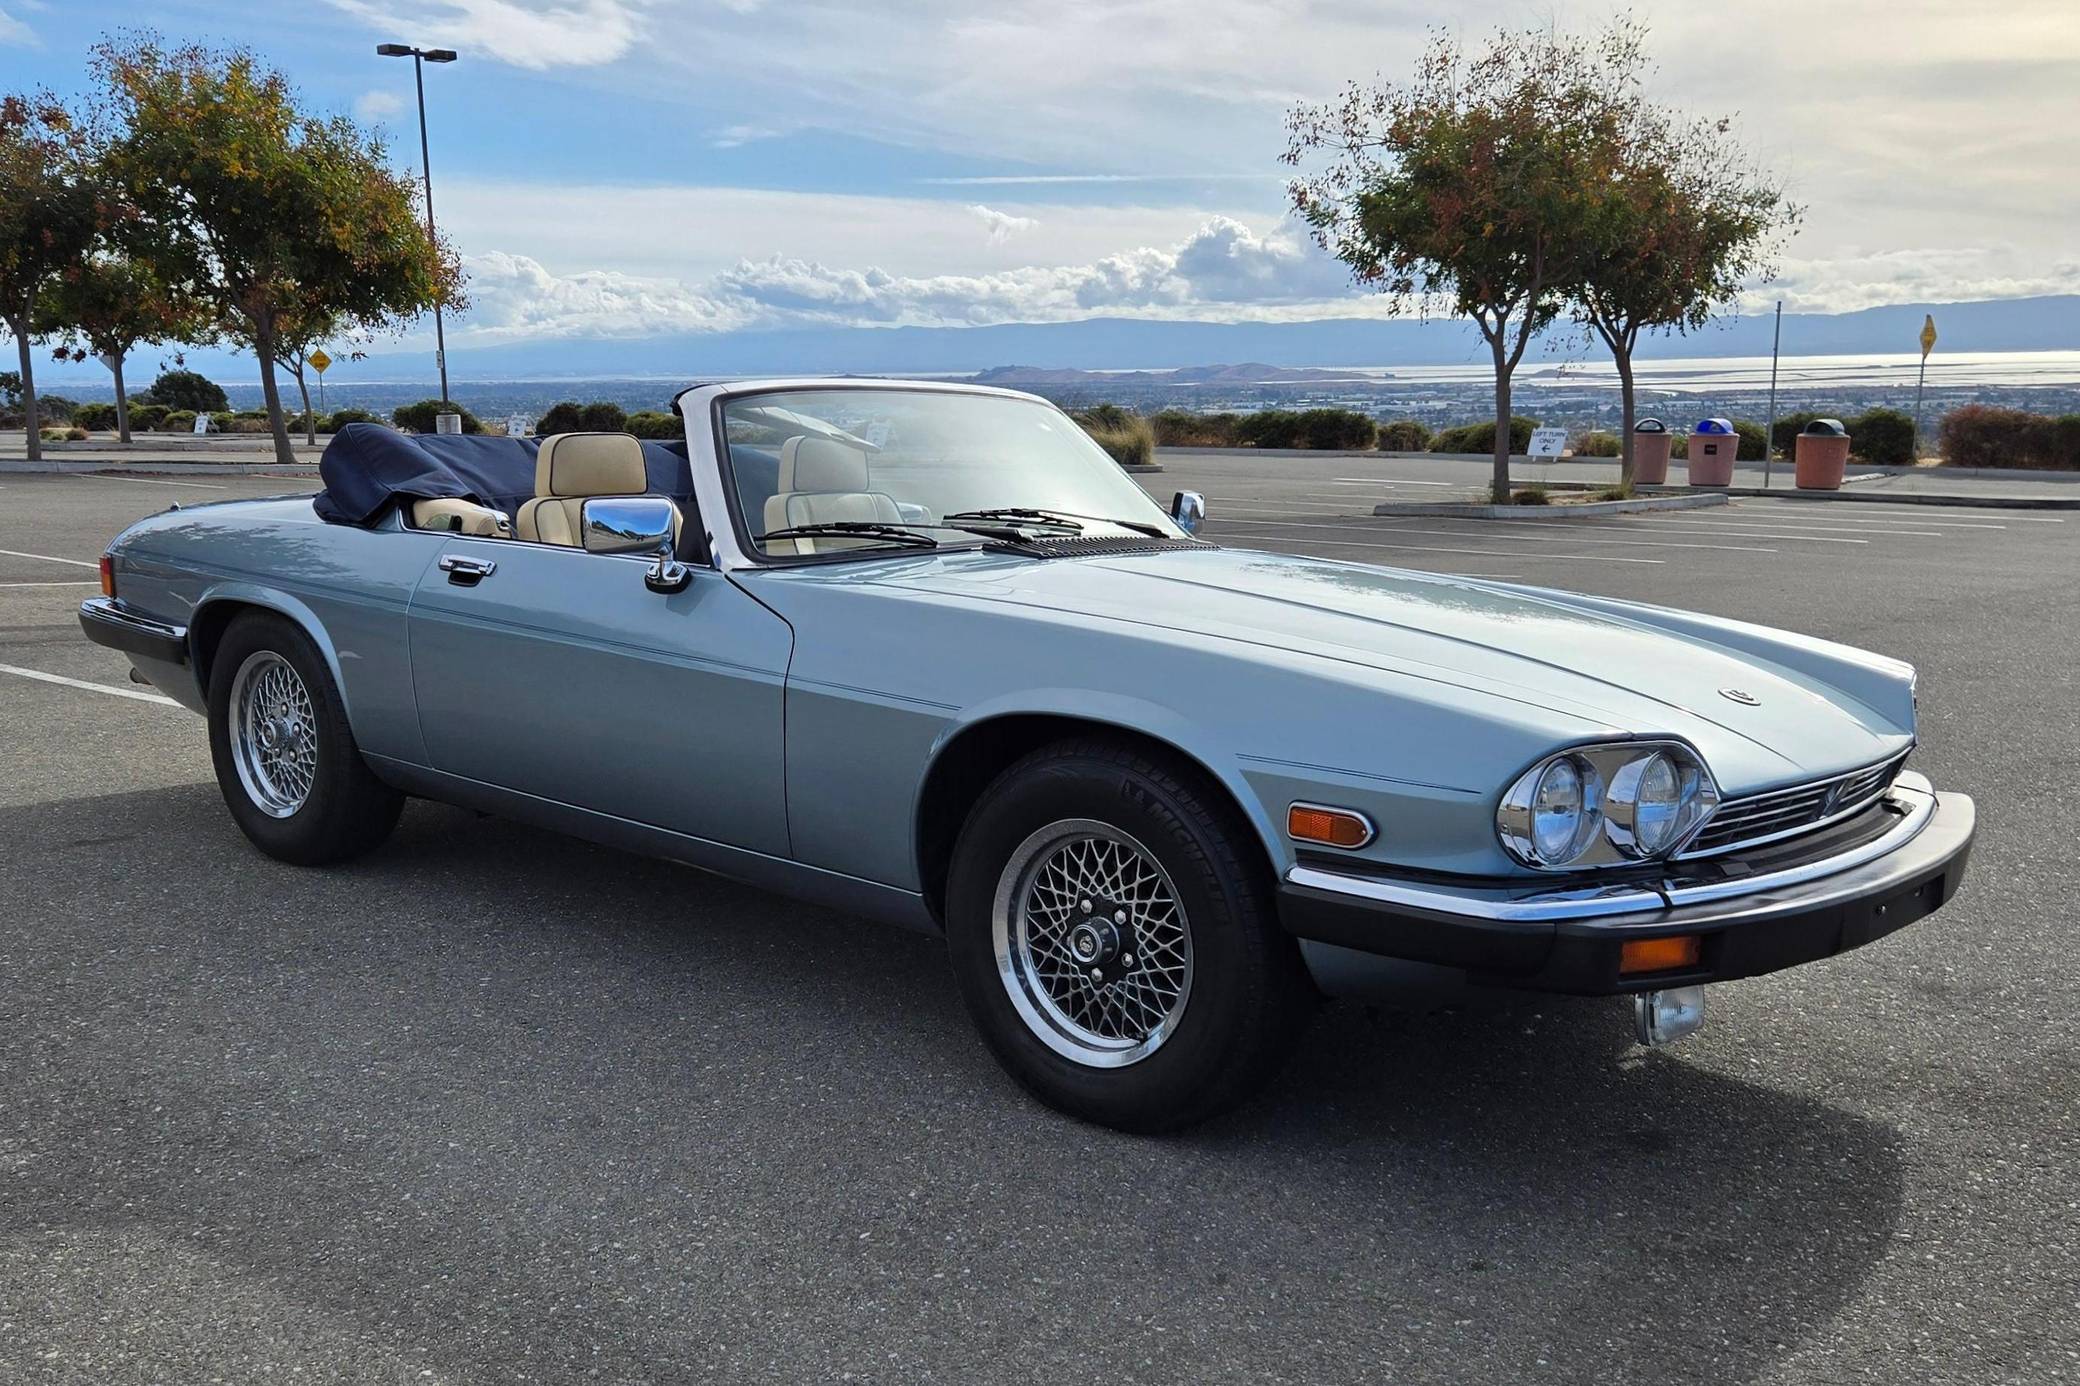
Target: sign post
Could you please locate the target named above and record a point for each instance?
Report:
(318, 362)
(1769, 430)
(1928, 344)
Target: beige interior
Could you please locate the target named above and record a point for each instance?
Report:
(823, 481)
(461, 517)
(568, 468)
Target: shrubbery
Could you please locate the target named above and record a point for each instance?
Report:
(1128, 438)
(600, 416)
(1985, 435)
(1329, 429)
(419, 418)
(651, 423)
(340, 418)
(187, 390)
(146, 417)
(1480, 437)
(177, 421)
(96, 418)
(1404, 435)
(1597, 442)
(1180, 428)
(1883, 437)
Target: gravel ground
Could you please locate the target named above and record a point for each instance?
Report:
(493, 1106)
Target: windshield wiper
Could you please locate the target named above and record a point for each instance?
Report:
(900, 535)
(1065, 519)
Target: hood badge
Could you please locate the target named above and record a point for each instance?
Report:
(1735, 695)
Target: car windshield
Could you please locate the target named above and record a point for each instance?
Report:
(854, 470)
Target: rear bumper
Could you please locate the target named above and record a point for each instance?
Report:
(108, 622)
(1570, 941)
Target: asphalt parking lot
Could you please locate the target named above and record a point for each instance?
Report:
(494, 1106)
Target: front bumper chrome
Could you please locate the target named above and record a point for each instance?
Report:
(1751, 921)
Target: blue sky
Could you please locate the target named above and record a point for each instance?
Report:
(639, 167)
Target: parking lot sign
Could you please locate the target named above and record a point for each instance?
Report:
(1548, 442)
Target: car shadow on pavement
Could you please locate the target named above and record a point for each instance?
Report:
(492, 1102)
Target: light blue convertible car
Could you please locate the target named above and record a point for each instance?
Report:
(923, 652)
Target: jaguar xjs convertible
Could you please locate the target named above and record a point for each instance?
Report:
(924, 653)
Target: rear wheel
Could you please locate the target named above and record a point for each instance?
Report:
(1115, 940)
(286, 760)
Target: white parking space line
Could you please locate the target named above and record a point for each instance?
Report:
(52, 558)
(1383, 481)
(1395, 527)
(1751, 532)
(147, 481)
(39, 675)
(1920, 512)
(81, 583)
(1864, 521)
(1435, 548)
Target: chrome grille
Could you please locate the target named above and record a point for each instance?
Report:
(1759, 818)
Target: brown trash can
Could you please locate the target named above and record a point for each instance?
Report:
(1822, 455)
(1711, 451)
(1651, 442)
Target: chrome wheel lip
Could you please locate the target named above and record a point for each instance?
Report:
(274, 734)
(1040, 1010)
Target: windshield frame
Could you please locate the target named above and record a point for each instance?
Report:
(950, 541)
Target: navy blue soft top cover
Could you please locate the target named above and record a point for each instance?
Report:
(367, 468)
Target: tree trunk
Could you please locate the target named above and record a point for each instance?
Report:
(310, 422)
(122, 401)
(264, 347)
(30, 423)
(1502, 374)
(1627, 407)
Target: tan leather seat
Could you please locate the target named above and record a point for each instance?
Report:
(568, 469)
(453, 516)
(823, 481)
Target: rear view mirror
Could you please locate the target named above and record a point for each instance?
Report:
(629, 524)
(1188, 510)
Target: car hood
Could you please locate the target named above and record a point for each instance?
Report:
(1763, 707)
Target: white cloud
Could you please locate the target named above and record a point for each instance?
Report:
(731, 136)
(514, 296)
(372, 107)
(1001, 226)
(580, 33)
(1842, 284)
(13, 30)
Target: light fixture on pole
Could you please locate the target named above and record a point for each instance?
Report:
(420, 56)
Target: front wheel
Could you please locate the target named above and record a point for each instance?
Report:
(286, 760)
(1115, 941)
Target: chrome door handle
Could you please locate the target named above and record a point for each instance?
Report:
(466, 572)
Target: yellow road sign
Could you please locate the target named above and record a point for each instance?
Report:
(319, 360)
(1928, 335)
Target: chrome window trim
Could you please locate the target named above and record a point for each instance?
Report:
(1814, 825)
(1913, 792)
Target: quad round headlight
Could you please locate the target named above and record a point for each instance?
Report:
(1606, 805)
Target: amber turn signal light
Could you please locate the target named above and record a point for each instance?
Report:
(1332, 827)
(1660, 954)
(108, 575)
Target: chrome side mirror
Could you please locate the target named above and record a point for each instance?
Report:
(637, 525)
(1188, 511)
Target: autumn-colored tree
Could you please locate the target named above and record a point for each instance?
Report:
(270, 214)
(110, 305)
(50, 213)
(1682, 224)
(1467, 187)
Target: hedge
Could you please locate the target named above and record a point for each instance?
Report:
(1480, 437)
(1597, 442)
(147, 416)
(340, 418)
(177, 421)
(568, 416)
(651, 423)
(1986, 435)
(96, 418)
(1404, 435)
(1339, 429)
(419, 418)
(1181, 428)
(1127, 438)
(1750, 449)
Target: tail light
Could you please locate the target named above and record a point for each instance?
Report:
(108, 575)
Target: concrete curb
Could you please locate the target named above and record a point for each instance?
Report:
(14, 467)
(1907, 498)
(1585, 510)
(1140, 469)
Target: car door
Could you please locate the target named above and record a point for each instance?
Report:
(557, 673)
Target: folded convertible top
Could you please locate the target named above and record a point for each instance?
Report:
(368, 468)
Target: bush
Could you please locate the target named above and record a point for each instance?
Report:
(419, 418)
(64, 433)
(177, 421)
(1131, 443)
(1404, 435)
(187, 390)
(1268, 428)
(340, 418)
(96, 418)
(146, 417)
(601, 416)
(1985, 435)
(1785, 435)
(1480, 437)
(650, 423)
(1754, 440)
(224, 421)
(1597, 442)
(1338, 430)
(1883, 437)
(1180, 428)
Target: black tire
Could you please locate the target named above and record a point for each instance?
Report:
(346, 810)
(1248, 994)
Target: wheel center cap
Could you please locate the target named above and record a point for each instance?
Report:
(1094, 941)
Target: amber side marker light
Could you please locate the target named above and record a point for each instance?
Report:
(1332, 827)
(1660, 954)
(108, 575)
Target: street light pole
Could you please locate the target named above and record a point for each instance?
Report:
(419, 56)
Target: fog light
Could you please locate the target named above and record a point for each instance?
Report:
(1663, 1017)
(1664, 954)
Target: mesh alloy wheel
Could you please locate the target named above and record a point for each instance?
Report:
(1092, 943)
(274, 735)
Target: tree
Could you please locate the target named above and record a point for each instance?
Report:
(50, 212)
(185, 389)
(1467, 186)
(1681, 224)
(274, 216)
(112, 304)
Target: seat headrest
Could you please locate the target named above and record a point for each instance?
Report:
(810, 463)
(590, 464)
